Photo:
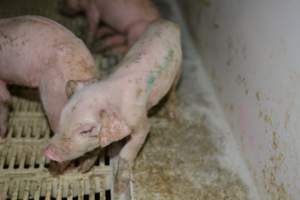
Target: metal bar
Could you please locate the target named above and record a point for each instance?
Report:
(37, 193)
(92, 189)
(16, 190)
(9, 133)
(48, 191)
(81, 190)
(12, 158)
(59, 195)
(18, 132)
(26, 190)
(3, 194)
(33, 158)
(3, 157)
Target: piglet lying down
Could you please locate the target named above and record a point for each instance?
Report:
(38, 52)
(130, 18)
(100, 113)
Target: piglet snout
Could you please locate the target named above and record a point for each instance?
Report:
(51, 153)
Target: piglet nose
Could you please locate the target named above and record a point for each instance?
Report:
(51, 153)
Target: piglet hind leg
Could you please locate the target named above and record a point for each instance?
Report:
(4, 108)
(93, 17)
(167, 108)
(125, 163)
(111, 42)
(172, 103)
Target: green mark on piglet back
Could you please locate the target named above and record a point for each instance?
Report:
(151, 79)
(154, 74)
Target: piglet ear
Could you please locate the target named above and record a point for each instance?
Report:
(113, 128)
(71, 87)
(74, 85)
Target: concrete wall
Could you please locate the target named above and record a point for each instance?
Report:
(251, 49)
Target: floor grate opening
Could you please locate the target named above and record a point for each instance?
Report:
(46, 165)
(107, 194)
(51, 134)
(97, 163)
(76, 162)
(86, 197)
(23, 134)
(97, 196)
(16, 166)
(6, 161)
(24, 169)
(106, 158)
(26, 166)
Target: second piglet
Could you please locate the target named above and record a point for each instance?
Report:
(126, 20)
(38, 52)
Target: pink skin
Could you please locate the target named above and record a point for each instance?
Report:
(127, 20)
(52, 155)
(39, 53)
(100, 113)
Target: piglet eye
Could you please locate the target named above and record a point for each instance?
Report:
(87, 131)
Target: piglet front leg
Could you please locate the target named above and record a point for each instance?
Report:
(124, 166)
(57, 169)
(87, 161)
(122, 179)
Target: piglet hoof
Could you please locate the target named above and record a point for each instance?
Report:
(168, 113)
(124, 195)
(122, 189)
(171, 111)
(122, 180)
(172, 115)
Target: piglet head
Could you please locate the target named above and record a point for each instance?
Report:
(86, 123)
(70, 145)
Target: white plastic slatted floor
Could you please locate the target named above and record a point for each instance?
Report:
(23, 168)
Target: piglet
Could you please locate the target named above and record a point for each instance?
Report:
(40, 53)
(100, 113)
(126, 20)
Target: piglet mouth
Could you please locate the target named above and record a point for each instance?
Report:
(51, 153)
